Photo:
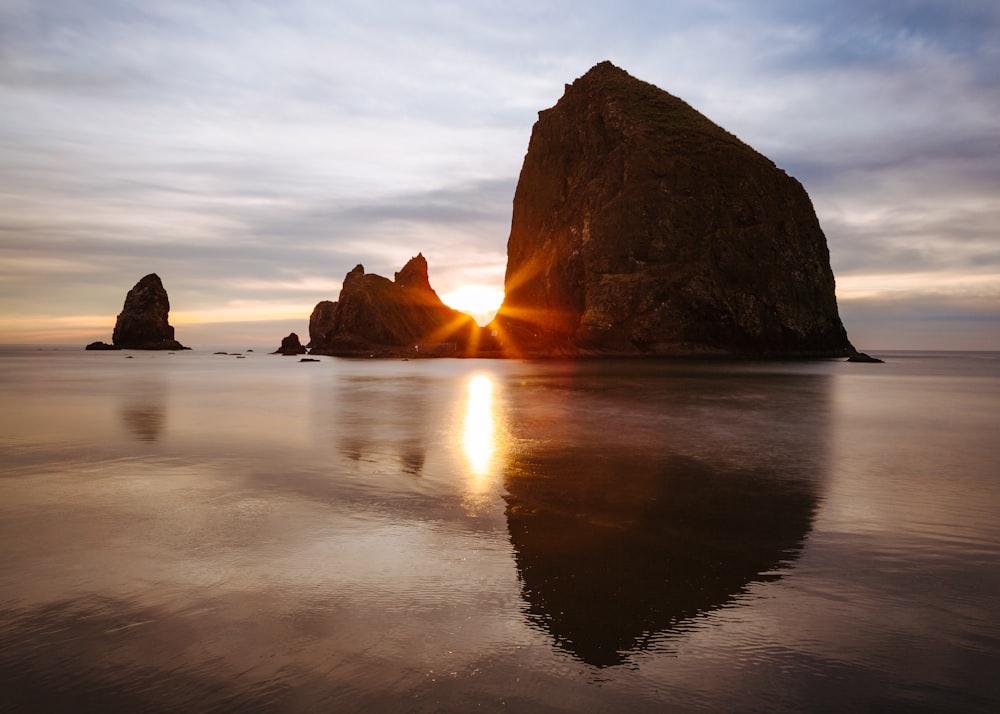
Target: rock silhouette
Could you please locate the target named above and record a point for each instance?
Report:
(375, 315)
(143, 322)
(864, 357)
(640, 227)
(290, 346)
(606, 567)
(622, 535)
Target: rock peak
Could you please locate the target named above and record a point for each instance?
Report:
(604, 69)
(607, 78)
(151, 281)
(414, 274)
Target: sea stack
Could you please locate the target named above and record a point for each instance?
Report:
(143, 322)
(378, 316)
(290, 346)
(640, 227)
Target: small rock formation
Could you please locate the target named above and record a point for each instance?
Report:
(290, 346)
(143, 322)
(378, 316)
(641, 228)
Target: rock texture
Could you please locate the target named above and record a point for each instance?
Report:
(143, 322)
(290, 346)
(641, 228)
(375, 315)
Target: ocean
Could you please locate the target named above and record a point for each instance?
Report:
(195, 531)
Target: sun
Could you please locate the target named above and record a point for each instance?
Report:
(480, 301)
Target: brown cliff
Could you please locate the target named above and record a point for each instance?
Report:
(375, 315)
(640, 227)
(143, 323)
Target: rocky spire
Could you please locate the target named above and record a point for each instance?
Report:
(142, 324)
(143, 321)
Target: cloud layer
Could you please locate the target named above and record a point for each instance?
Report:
(252, 153)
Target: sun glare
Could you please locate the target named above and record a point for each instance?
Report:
(479, 430)
(480, 301)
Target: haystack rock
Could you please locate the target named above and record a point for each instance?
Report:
(375, 315)
(143, 322)
(641, 228)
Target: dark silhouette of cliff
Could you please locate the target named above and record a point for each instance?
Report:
(290, 345)
(641, 228)
(143, 323)
(607, 566)
(624, 533)
(375, 315)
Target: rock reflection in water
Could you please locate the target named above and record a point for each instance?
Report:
(374, 425)
(618, 546)
(143, 410)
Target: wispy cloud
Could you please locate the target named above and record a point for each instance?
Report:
(259, 150)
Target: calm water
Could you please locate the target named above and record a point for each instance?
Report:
(199, 532)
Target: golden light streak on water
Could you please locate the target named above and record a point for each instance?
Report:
(479, 431)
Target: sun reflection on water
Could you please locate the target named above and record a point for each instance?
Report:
(479, 431)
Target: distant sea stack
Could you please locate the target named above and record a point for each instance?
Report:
(382, 317)
(143, 322)
(290, 346)
(642, 228)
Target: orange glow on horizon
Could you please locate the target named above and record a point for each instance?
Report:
(243, 311)
(479, 301)
(44, 329)
(83, 329)
(887, 286)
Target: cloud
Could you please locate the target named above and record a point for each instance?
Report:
(264, 145)
(922, 321)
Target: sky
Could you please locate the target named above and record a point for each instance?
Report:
(251, 153)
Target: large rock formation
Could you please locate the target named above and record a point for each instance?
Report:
(640, 227)
(143, 322)
(375, 315)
